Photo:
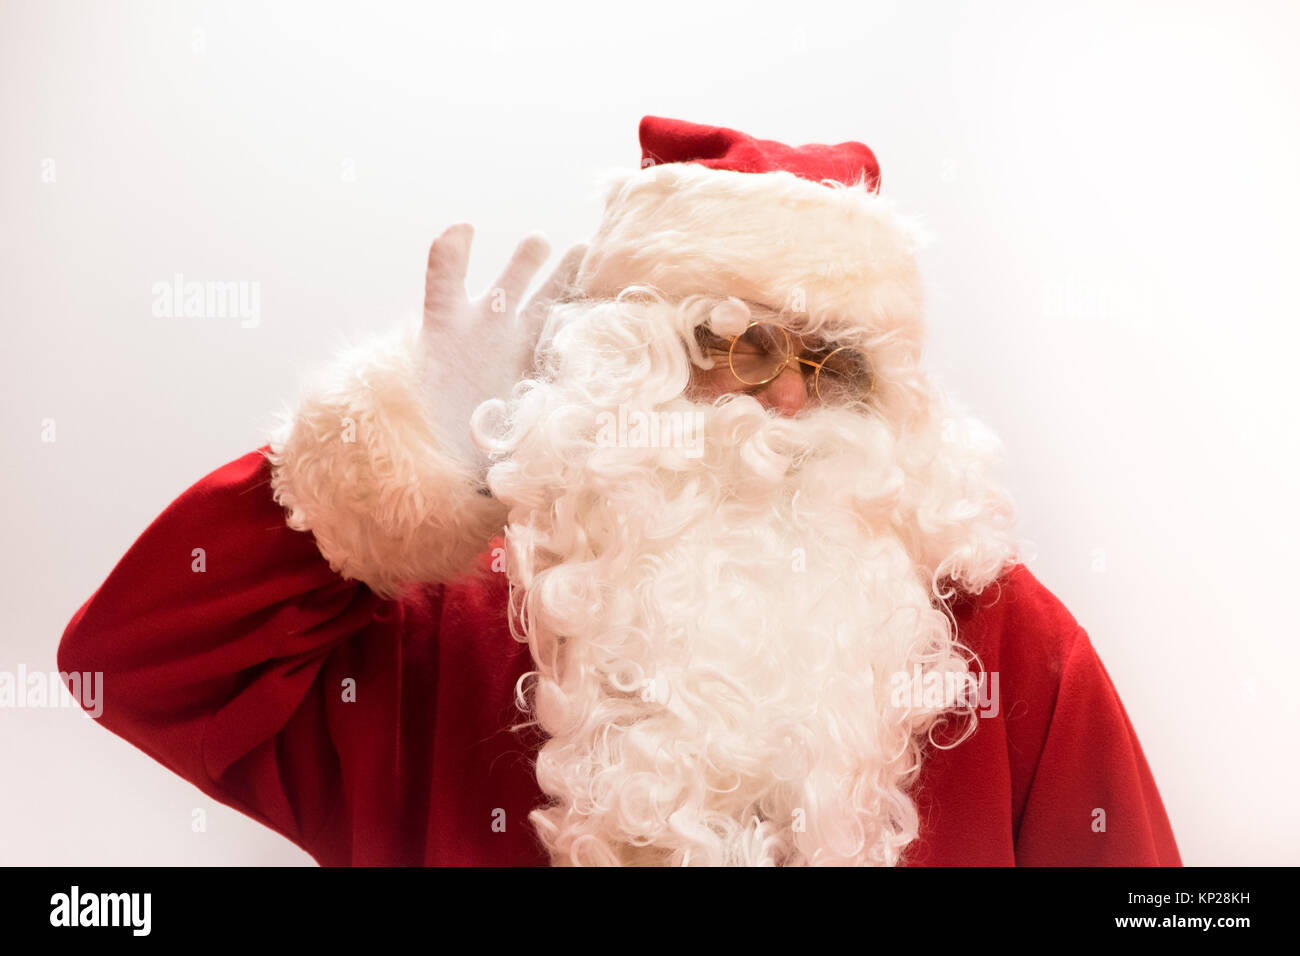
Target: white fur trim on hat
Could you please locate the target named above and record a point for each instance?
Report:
(839, 254)
(357, 464)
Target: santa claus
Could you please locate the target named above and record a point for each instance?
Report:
(684, 561)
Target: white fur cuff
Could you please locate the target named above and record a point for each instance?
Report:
(358, 464)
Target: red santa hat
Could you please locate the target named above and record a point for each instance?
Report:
(797, 228)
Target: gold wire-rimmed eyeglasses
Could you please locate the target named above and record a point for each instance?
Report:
(765, 349)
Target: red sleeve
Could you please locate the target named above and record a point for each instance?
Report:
(1092, 800)
(214, 672)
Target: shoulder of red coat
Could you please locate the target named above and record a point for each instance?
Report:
(1017, 619)
(484, 587)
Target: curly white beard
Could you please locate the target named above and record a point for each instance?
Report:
(716, 625)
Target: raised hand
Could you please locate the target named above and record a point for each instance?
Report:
(477, 350)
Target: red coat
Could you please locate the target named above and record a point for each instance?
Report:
(233, 677)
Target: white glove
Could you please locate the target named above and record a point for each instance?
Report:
(478, 350)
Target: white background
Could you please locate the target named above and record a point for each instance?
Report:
(1113, 193)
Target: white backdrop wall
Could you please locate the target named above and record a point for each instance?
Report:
(1112, 192)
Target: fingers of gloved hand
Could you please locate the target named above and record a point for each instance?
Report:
(556, 284)
(505, 294)
(444, 279)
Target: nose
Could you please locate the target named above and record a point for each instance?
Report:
(787, 393)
